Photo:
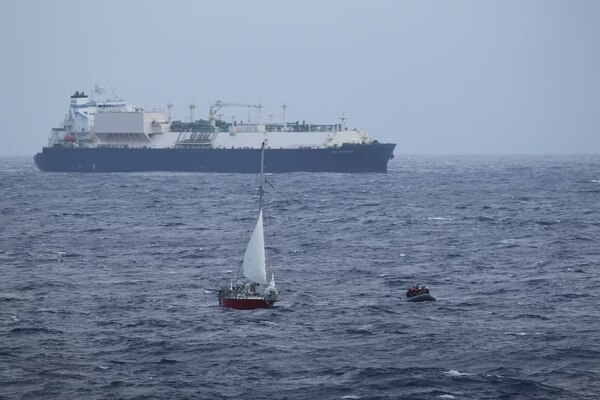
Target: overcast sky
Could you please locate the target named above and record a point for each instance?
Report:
(435, 77)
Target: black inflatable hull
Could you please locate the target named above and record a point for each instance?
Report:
(421, 297)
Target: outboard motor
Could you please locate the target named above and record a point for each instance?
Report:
(270, 293)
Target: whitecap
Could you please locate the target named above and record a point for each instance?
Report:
(350, 396)
(455, 373)
(445, 396)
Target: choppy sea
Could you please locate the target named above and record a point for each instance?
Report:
(107, 282)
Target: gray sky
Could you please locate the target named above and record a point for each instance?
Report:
(435, 77)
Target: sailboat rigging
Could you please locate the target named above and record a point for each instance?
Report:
(256, 293)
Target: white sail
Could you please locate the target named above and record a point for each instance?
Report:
(254, 265)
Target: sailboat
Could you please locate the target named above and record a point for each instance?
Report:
(255, 293)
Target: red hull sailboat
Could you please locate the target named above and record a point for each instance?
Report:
(255, 292)
(245, 303)
(249, 295)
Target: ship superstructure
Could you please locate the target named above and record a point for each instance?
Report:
(78, 125)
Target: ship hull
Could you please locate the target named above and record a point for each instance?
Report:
(348, 158)
(245, 304)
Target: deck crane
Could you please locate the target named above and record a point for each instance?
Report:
(214, 108)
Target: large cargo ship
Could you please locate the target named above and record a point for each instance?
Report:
(114, 136)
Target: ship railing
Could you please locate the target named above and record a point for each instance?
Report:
(195, 139)
(303, 127)
(121, 146)
(204, 126)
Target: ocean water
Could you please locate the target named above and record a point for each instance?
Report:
(107, 283)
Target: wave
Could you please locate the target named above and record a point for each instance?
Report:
(454, 373)
(172, 224)
(361, 331)
(167, 361)
(34, 331)
(93, 230)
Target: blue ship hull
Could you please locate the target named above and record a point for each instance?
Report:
(348, 158)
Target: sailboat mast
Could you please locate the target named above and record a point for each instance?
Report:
(262, 167)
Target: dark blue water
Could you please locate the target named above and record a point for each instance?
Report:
(107, 283)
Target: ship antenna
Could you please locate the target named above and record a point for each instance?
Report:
(170, 112)
(284, 106)
(192, 107)
(343, 118)
(259, 113)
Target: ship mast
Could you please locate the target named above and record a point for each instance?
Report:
(284, 106)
